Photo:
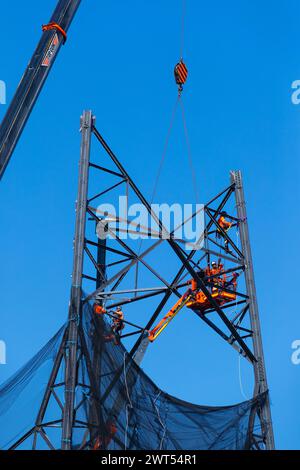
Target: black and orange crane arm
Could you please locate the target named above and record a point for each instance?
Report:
(54, 34)
(158, 329)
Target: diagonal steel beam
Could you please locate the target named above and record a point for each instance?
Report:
(213, 218)
(131, 252)
(147, 327)
(105, 191)
(176, 248)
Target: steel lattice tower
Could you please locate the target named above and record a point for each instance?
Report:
(241, 331)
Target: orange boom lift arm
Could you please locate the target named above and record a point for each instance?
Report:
(153, 334)
(195, 299)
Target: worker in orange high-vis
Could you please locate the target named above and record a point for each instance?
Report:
(225, 225)
(216, 271)
(118, 323)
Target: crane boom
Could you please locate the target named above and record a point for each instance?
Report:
(34, 78)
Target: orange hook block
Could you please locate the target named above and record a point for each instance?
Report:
(180, 73)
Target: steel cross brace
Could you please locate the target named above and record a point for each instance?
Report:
(176, 248)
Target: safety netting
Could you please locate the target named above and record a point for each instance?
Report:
(117, 406)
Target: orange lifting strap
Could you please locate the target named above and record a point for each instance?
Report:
(52, 25)
(181, 73)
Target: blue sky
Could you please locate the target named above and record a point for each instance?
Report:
(118, 60)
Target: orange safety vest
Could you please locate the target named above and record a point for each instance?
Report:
(224, 224)
(214, 272)
(118, 321)
(120, 315)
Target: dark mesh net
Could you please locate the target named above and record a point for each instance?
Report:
(117, 404)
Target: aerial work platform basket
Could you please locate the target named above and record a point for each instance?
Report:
(201, 302)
